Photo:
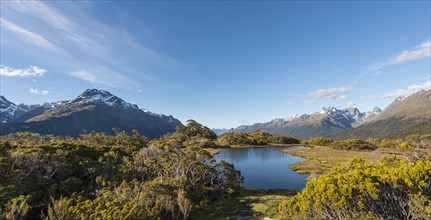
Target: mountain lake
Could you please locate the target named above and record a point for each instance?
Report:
(265, 167)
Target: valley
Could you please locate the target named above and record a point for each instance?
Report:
(403, 117)
(215, 110)
(251, 172)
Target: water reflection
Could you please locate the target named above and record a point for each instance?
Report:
(265, 168)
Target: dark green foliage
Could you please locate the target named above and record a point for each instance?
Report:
(99, 176)
(254, 138)
(414, 147)
(422, 128)
(282, 139)
(320, 141)
(352, 144)
(193, 134)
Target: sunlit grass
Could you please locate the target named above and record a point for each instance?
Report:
(212, 151)
(321, 159)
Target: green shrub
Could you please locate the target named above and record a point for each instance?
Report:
(352, 144)
(320, 141)
(98, 176)
(391, 189)
(254, 138)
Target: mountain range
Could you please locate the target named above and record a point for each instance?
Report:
(93, 110)
(101, 111)
(406, 115)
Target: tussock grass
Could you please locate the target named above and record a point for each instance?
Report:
(321, 159)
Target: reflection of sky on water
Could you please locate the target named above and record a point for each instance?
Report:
(264, 168)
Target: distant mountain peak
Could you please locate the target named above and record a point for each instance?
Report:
(353, 110)
(376, 110)
(293, 117)
(326, 110)
(94, 94)
(326, 121)
(102, 96)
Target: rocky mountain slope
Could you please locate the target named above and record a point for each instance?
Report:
(404, 116)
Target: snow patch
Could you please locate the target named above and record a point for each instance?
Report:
(400, 98)
(95, 95)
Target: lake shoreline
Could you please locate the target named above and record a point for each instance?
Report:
(217, 149)
(260, 146)
(265, 167)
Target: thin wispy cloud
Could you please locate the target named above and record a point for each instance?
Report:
(86, 39)
(377, 73)
(31, 71)
(103, 76)
(422, 51)
(402, 92)
(38, 92)
(410, 89)
(424, 86)
(29, 37)
(84, 75)
(331, 93)
(419, 52)
(54, 18)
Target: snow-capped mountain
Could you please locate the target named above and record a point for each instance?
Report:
(9, 111)
(403, 117)
(326, 121)
(366, 117)
(93, 110)
(96, 96)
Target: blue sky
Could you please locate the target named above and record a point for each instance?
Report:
(222, 63)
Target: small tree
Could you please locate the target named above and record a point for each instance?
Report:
(58, 209)
(184, 204)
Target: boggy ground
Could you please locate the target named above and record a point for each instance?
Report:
(250, 204)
